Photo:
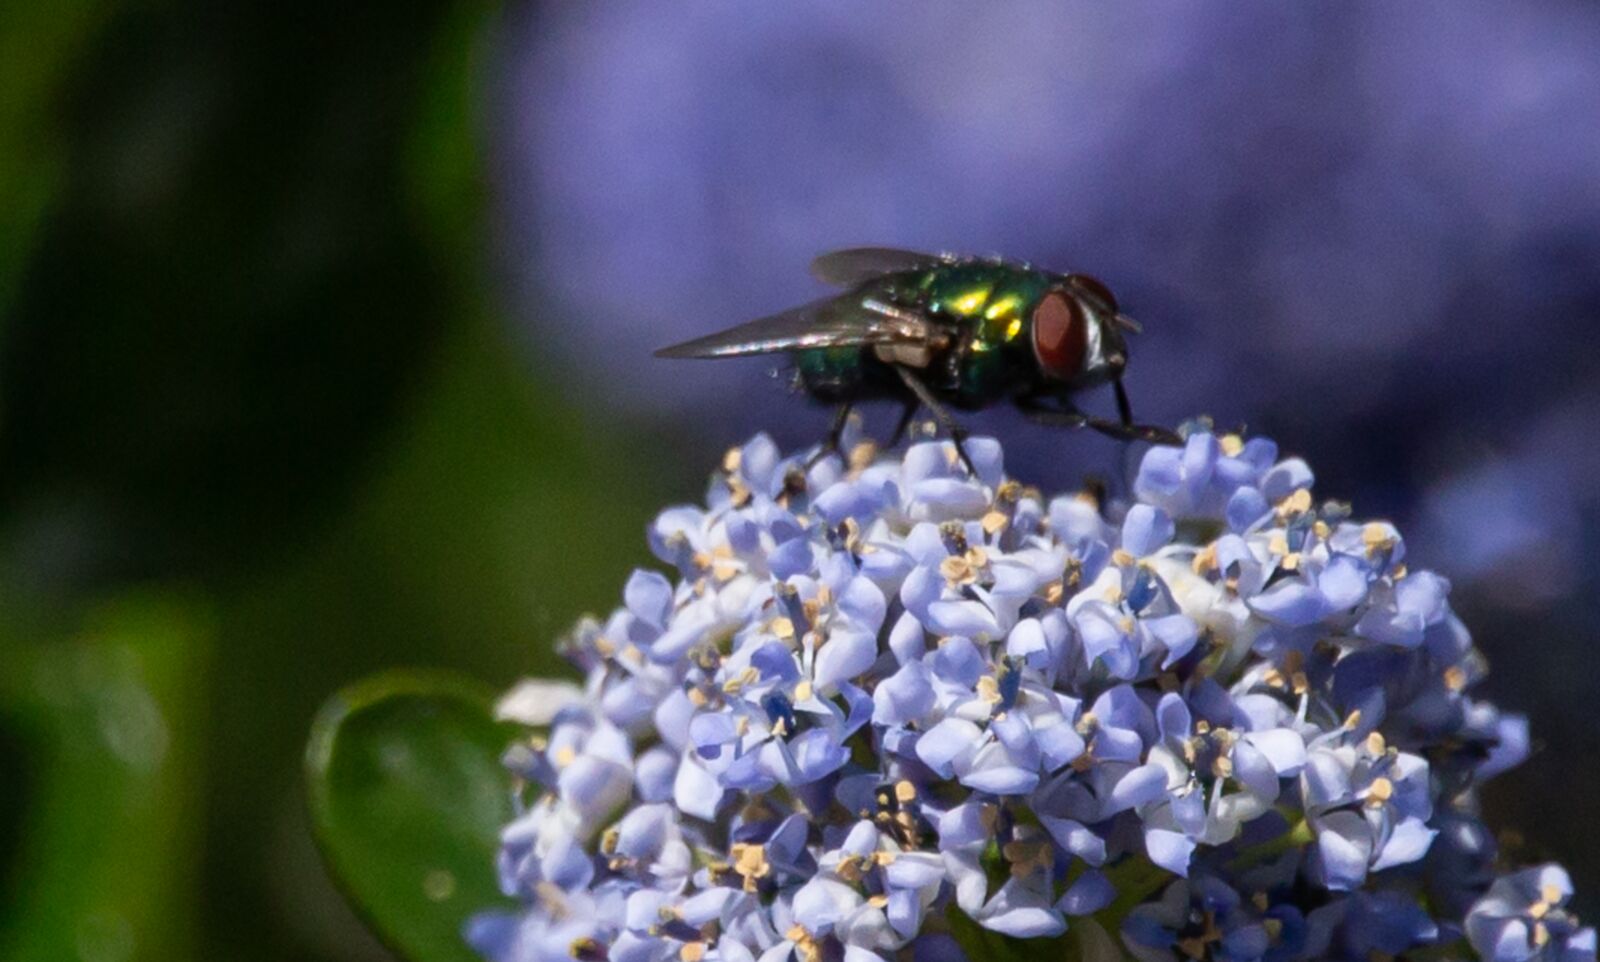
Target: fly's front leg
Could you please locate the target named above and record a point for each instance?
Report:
(925, 397)
(1124, 406)
(1073, 418)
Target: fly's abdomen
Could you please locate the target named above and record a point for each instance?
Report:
(832, 373)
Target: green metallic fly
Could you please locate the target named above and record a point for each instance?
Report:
(941, 331)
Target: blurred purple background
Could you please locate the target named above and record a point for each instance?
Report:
(1369, 230)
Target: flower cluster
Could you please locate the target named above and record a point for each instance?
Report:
(884, 708)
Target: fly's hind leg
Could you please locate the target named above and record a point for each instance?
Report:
(1073, 418)
(901, 426)
(831, 445)
(925, 397)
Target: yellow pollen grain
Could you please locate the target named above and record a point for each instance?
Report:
(1376, 743)
(782, 627)
(1398, 572)
(862, 455)
(1455, 678)
(878, 901)
(1299, 683)
(989, 689)
(1380, 791)
(1231, 444)
(977, 557)
(1539, 909)
(692, 951)
(1541, 934)
(1205, 559)
(1353, 719)
(724, 570)
(1121, 558)
(1321, 530)
(565, 756)
(750, 862)
(904, 791)
(850, 869)
(802, 691)
(730, 460)
(1278, 545)
(993, 522)
(697, 698)
(1376, 537)
(1222, 767)
(956, 569)
(1260, 901)
(1291, 561)
(1551, 894)
(1297, 503)
(1053, 592)
(1273, 678)
(1274, 928)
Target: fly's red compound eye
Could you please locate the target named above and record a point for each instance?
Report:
(1095, 289)
(1060, 334)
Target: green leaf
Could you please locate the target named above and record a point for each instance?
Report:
(407, 798)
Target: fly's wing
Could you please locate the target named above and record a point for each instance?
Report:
(857, 265)
(833, 322)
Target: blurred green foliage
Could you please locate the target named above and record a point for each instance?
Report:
(112, 720)
(407, 798)
(261, 433)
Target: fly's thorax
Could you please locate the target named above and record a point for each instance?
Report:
(992, 306)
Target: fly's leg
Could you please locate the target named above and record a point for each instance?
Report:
(1124, 408)
(904, 424)
(925, 397)
(835, 436)
(1073, 418)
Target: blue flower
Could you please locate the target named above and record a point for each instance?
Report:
(1369, 804)
(875, 695)
(1201, 918)
(1524, 916)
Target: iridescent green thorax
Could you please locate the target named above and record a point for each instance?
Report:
(993, 304)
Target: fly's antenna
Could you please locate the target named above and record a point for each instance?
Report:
(1129, 324)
